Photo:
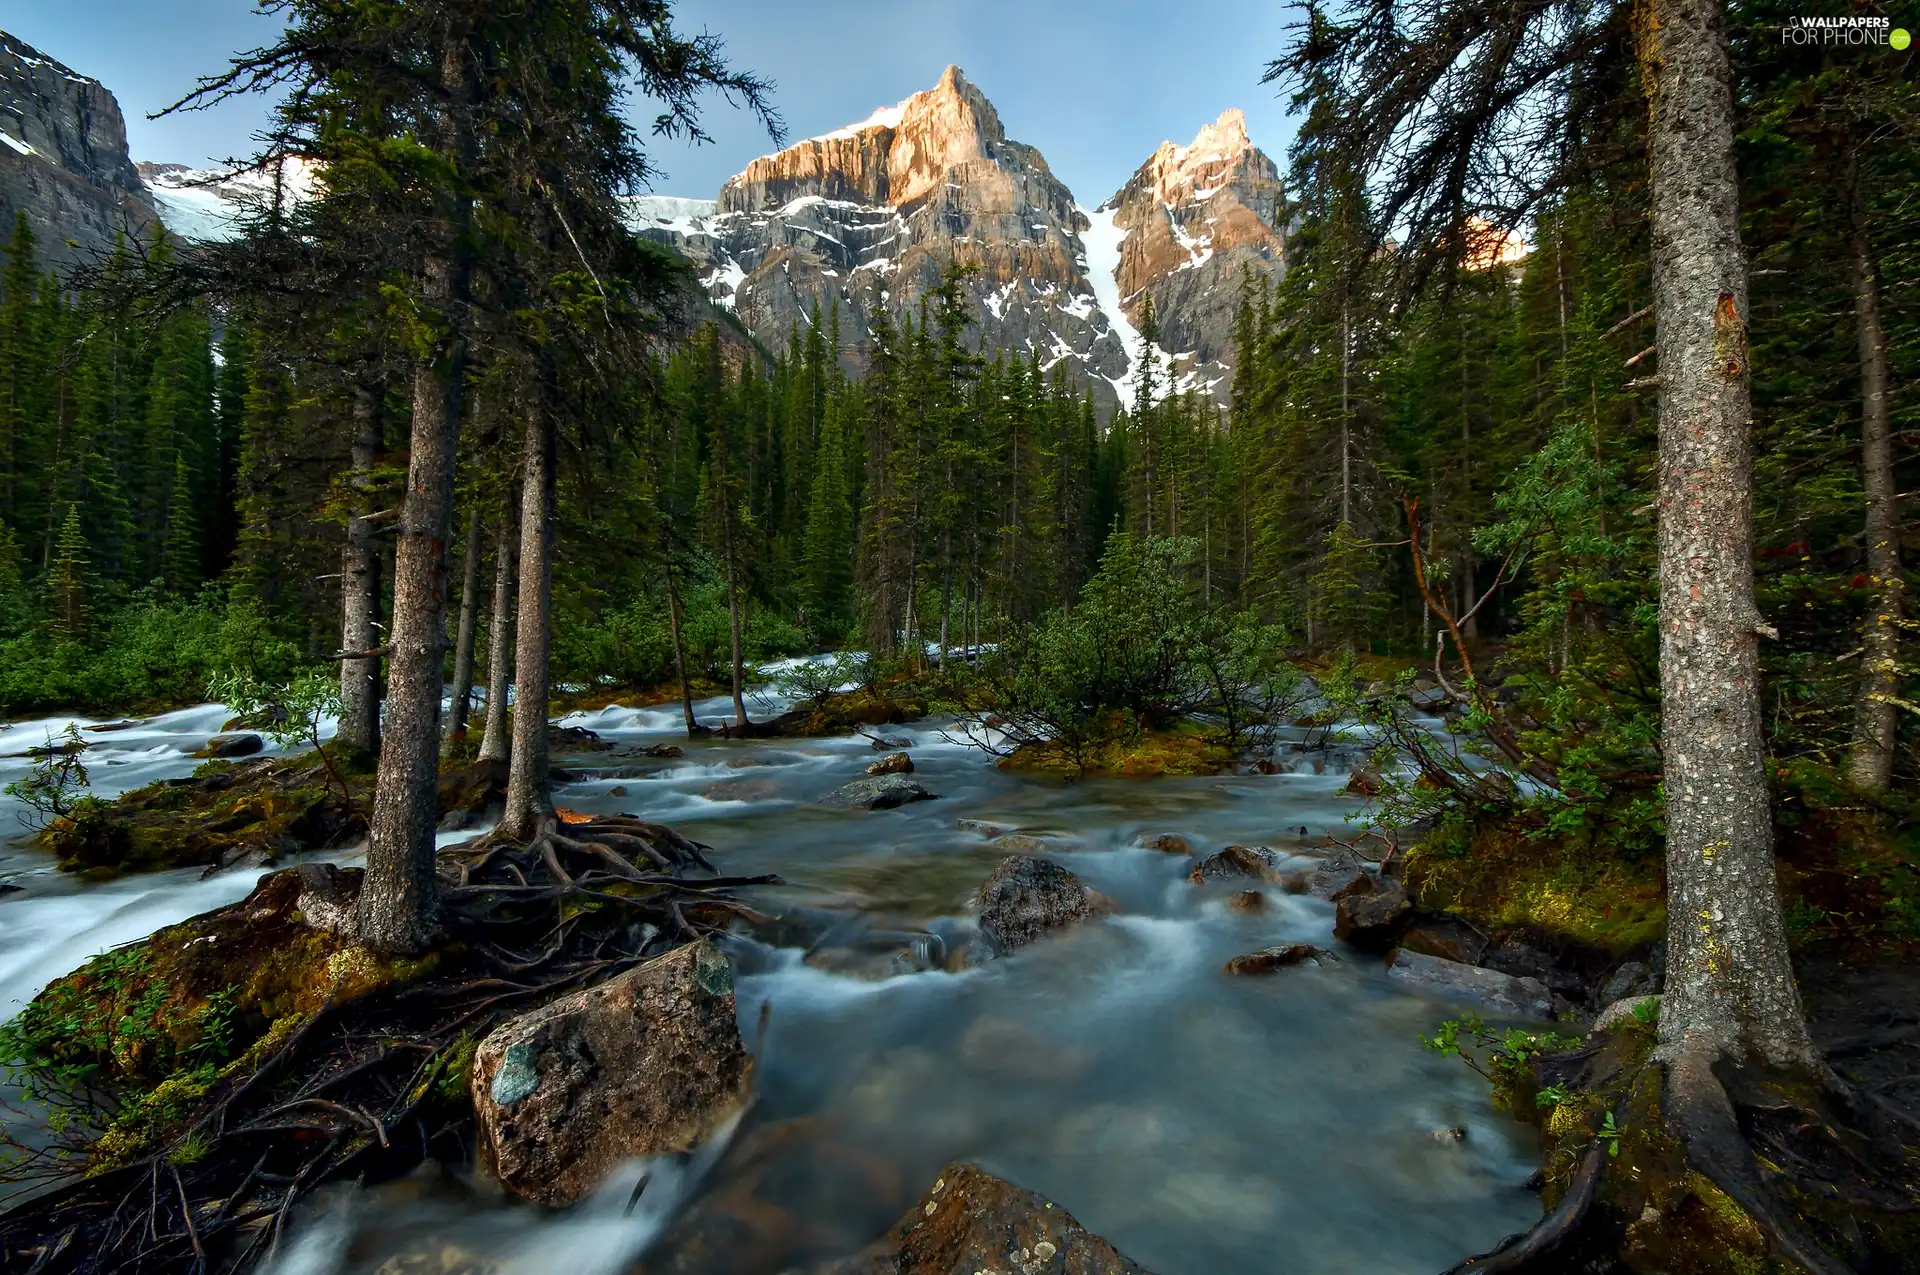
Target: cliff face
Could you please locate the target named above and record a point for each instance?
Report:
(1194, 220)
(63, 158)
(869, 217)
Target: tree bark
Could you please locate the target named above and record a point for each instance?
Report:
(529, 795)
(461, 701)
(679, 642)
(733, 612)
(398, 911)
(360, 587)
(1730, 993)
(1870, 760)
(496, 743)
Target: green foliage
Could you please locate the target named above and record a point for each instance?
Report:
(155, 651)
(53, 788)
(1139, 653)
(1502, 1057)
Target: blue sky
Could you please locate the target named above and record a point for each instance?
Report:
(1095, 84)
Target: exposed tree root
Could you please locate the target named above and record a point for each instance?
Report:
(1541, 1249)
(1816, 1178)
(368, 1089)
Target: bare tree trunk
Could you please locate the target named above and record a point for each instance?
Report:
(529, 796)
(461, 702)
(496, 744)
(733, 623)
(360, 588)
(679, 643)
(1870, 760)
(399, 898)
(1730, 994)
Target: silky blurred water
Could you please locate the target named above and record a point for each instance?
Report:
(1205, 1125)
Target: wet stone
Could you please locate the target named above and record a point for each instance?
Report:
(1447, 937)
(971, 1222)
(1277, 957)
(892, 764)
(230, 746)
(1247, 901)
(879, 792)
(1167, 843)
(647, 1063)
(1237, 861)
(1026, 898)
(1370, 912)
(1497, 993)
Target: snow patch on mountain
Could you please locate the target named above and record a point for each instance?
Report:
(1102, 240)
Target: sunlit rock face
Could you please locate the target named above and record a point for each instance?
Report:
(865, 221)
(1197, 220)
(63, 158)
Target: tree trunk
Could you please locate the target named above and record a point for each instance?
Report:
(1870, 761)
(679, 643)
(733, 624)
(360, 589)
(398, 911)
(399, 898)
(461, 702)
(529, 798)
(496, 743)
(1730, 994)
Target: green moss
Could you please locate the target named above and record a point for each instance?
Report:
(278, 806)
(1502, 878)
(1187, 749)
(154, 1026)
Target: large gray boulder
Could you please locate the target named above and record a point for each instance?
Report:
(1500, 994)
(644, 1064)
(1026, 898)
(878, 792)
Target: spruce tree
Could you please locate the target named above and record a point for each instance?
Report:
(67, 579)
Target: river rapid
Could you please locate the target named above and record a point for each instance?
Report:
(1204, 1124)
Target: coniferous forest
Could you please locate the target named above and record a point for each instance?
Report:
(1558, 511)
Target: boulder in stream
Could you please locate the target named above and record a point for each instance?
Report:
(1166, 843)
(878, 792)
(1333, 876)
(1448, 937)
(227, 747)
(1277, 957)
(971, 1222)
(644, 1064)
(1237, 861)
(1026, 898)
(1497, 993)
(1371, 912)
(892, 764)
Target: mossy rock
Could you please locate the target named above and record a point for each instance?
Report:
(845, 711)
(160, 1022)
(1182, 750)
(270, 808)
(1501, 878)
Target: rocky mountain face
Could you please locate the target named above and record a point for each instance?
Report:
(869, 217)
(63, 158)
(1193, 221)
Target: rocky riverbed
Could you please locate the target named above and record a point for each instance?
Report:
(1082, 1039)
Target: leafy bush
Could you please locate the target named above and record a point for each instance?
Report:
(154, 651)
(1140, 652)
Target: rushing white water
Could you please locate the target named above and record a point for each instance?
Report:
(1206, 1125)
